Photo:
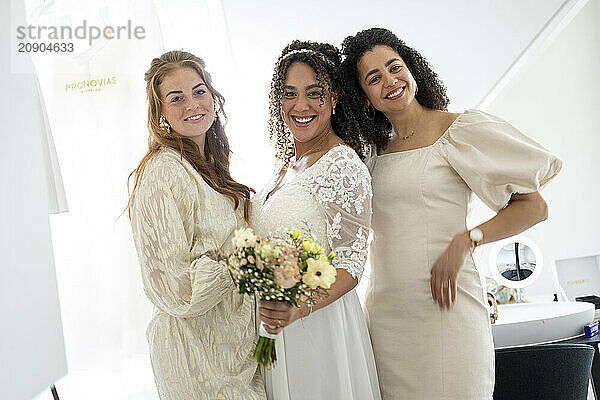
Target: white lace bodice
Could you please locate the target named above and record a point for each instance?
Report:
(331, 199)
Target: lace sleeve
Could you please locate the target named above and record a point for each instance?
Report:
(343, 187)
(163, 231)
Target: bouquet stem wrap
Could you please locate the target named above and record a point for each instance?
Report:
(265, 353)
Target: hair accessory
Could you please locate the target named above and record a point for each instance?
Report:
(308, 51)
(164, 125)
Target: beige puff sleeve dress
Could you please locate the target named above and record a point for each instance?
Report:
(420, 201)
(202, 333)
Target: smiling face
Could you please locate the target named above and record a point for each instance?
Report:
(386, 80)
(187, 104)
(306, 105)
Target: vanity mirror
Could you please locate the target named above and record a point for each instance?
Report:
(515, 262)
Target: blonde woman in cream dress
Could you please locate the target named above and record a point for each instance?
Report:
(202, 334)
(427, 313)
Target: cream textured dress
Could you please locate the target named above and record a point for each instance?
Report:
(327, 355)
(202, 334)
(420, 201)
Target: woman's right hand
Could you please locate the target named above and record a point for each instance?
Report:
(444, 274)
(279, 314)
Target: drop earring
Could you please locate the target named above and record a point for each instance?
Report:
(217, 109)
(370, 113)
(164, 125)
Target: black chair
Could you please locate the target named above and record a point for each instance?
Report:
(544, 372)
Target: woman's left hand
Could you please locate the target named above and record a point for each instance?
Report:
(445, 271)
(279, 314)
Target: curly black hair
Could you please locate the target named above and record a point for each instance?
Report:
(325, 60)
(431, 90)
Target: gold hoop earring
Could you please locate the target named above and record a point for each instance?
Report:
(370, 113)
(164, 125)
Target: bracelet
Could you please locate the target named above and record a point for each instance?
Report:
(302, 318)
(309, 311)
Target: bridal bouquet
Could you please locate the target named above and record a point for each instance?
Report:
(292, 269)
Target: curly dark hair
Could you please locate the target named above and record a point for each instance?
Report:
(325, 60)
(431, 90)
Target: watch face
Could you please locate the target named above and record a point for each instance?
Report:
(476, 235)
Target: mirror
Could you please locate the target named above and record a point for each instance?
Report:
(515, 262)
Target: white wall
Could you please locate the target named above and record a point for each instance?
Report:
(555, 101)
(470, 44)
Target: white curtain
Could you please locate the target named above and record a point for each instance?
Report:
(99, 135)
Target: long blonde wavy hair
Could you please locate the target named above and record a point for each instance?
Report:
(214, 166)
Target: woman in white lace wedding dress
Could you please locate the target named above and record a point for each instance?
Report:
(325, 191)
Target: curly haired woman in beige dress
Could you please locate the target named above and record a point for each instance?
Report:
(183, 209)
(426, 309)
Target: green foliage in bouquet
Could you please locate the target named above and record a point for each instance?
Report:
(291, 269)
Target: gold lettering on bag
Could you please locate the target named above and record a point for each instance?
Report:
(90, 85)
(577, 282)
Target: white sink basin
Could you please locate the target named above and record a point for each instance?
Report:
(536, 323)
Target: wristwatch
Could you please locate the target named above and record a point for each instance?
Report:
(476, 236)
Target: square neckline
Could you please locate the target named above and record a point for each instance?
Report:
(451, 126)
